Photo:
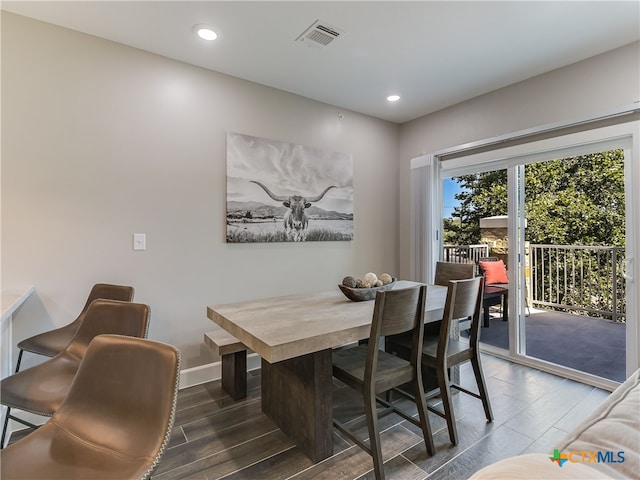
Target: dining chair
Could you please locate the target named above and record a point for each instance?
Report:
(52, 342)
(497, 275)
(115, 422)
(485, 259)
(493, 270)
(42, 388)
(371, 371)
(447, 271)
(464, 299)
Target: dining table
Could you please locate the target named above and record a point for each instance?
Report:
(294, 335)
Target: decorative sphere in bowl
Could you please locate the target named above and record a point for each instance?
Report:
(364, 294)
(349, 282)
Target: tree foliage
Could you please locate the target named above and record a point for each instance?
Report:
(569, 201)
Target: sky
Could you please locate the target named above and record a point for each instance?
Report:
(449, 189)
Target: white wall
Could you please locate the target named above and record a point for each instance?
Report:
(100, 140)
(587, 88)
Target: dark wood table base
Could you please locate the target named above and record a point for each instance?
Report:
(295, 396)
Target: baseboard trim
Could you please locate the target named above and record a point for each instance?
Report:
(213, 371)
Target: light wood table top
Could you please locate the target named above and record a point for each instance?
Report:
(281, 328)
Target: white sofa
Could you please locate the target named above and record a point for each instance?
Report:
(613, 427)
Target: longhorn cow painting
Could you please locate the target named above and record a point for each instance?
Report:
(284, 192)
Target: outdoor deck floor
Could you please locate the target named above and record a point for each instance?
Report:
(588, 344)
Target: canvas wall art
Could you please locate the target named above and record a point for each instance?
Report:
(284, 192)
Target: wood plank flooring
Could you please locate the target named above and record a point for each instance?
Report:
(216, 437)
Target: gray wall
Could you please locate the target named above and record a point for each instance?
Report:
(100, 140)
(584, 89)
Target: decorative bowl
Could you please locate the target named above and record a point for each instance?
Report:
(364, 294)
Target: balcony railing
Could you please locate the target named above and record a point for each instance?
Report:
(465, 253)
(578, 279)
(582, 279)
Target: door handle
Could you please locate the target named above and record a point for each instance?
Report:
(627, 269)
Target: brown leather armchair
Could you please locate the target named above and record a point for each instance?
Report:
(115, 422)
(42, 388)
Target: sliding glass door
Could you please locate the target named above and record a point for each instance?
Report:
(557, 213)
(576, 234)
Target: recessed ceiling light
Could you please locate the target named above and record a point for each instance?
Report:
(205, 32)
(393, 98)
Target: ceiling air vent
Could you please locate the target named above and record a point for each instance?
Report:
(319, 34)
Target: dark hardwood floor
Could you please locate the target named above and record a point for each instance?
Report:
(216, 437)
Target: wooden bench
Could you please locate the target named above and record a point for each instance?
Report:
(234, 362)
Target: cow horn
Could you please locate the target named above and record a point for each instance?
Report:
(277, 198)
(319, 197)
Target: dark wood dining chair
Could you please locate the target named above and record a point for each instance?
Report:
(464, 299)
(371, 371)
(52, 342)
(115, 422)
(447, 271)
(42, 388)
(485, 259)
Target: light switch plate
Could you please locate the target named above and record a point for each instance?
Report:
(139, 241)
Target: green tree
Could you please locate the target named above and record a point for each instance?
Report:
(482, 195)
(570, 201)
(577, 200)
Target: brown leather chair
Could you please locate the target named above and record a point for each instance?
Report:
(54, 341)
(464, 299)
(115, 422)
(42, 388)
(371, 371)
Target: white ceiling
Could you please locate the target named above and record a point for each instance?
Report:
(433, 54)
